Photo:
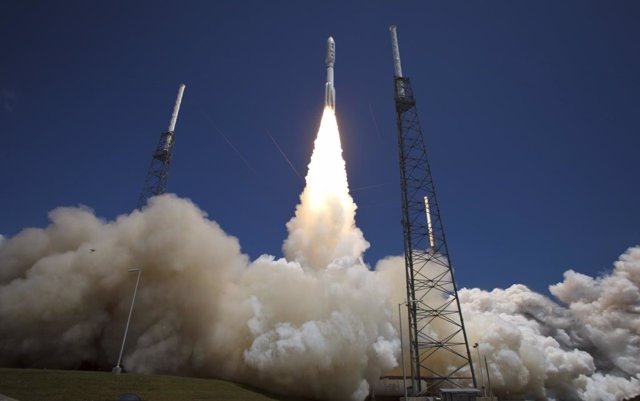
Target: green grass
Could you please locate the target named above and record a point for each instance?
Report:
(68, 385)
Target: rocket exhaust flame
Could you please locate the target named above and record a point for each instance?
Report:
(323, 229)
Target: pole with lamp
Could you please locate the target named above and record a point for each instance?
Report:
(118, 369)
(477, 347)
(486, 365)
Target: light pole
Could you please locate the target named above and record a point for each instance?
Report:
(117, 369)
(477, 347)
(404, 376)
(488, 377)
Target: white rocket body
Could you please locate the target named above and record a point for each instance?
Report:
(329, 89)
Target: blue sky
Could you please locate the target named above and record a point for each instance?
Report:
(530, 112)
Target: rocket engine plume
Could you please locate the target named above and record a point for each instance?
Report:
(323, 229)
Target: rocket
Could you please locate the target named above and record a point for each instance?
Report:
(329, 90)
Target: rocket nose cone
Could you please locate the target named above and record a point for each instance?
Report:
(331, 52)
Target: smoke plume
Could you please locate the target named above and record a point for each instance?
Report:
(587, 349)
(203, 308)
(323, 229)
(318, 324)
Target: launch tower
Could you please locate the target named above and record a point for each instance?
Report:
(156, 181)
(439, 350)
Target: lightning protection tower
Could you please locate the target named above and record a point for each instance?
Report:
(156, 181)
(439, 352)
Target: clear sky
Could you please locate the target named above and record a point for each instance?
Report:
(529, 109)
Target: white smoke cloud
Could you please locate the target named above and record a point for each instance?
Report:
(202, 308)
(586, 350)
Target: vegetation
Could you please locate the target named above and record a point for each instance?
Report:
(64, 385)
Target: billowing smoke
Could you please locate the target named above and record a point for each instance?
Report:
(202, 308)
(588, 349)
(318, 324)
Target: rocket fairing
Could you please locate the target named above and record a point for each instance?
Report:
(329, 89)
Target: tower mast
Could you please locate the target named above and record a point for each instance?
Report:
(155, 182)
(439, 350)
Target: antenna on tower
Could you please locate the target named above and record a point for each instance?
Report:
(439, 350)
(155, 182)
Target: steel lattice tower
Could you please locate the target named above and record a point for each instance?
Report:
(436, 326)
(155, 182)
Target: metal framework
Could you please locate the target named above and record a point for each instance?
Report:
(439, 350)
(155, 183)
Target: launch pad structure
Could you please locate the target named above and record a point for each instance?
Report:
(155, 183)
(439, 356)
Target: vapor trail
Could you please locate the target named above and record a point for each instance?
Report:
(283, 154)
(231, 145)
(373, 186)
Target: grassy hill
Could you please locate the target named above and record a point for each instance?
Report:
(66, 385)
